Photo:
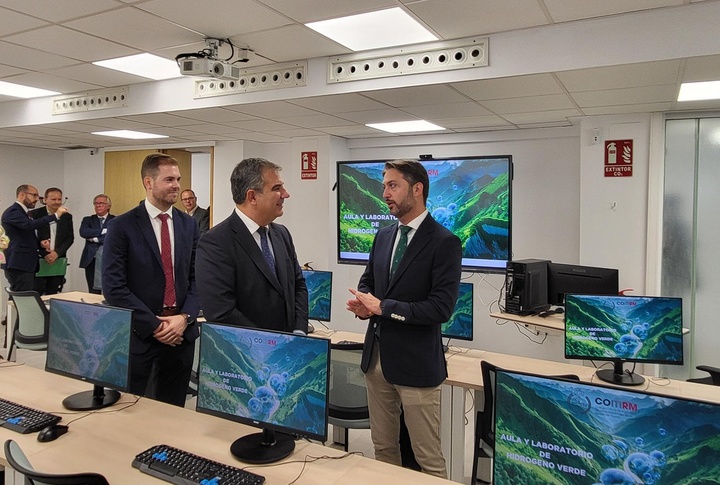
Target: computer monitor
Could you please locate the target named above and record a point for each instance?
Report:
(319, 286)
(573, 278)
(623, 329)
(460, 325)
(91, 343)
(549, 430)
(272, 380)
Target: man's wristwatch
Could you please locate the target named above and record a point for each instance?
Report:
(186, 316)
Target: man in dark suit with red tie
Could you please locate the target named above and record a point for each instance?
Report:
(93, 229)
(247, 270)
(408, 290)
(148, 267)
(21, 256)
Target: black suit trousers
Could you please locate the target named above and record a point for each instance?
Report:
(163, 372)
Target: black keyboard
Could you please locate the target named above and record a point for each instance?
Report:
(183, 468)
(23, 419)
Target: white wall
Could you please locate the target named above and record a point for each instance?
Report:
(560, 204)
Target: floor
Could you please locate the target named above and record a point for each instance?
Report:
(359, 438)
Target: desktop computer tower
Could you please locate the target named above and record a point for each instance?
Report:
(526, 286)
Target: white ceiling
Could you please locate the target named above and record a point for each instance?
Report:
(51, 44)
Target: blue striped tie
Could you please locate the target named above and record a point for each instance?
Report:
(267, 254)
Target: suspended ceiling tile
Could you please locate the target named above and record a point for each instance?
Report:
(471, 122)
(513, 87)
(542, 116)
(628, 108)
(60, 10)
(97, 75)
(623, 76)
(316, 121)
(272, 109)
(261, 125)
(135, 28)
(338, 104)
(447, 110)
(529, 104)
(12, 22)
(238, 16)
(160, 119)
(616, 97)
(211, 115)
(705, 68)
(453, 19)
(387, 115)
(565, 10)
(289, 43)
(67, 42)
(314, 10)
(417, 95)
(32, 59)
(52, 83)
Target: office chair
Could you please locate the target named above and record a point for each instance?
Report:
(19, 462)
(485, 418)
(713, 379)
(348, 393)
(30, 330)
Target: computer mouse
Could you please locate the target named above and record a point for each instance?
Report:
(52, 432)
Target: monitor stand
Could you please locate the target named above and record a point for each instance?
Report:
(98, 398)
(617, 375)
(265, 447)
(446, 346)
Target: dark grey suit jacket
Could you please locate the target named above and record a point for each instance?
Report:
(236, 285)
(420, 297)
(64, 234)
(90, 228)
(202, 217)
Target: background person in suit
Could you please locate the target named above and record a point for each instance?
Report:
(55, 240)
(407, 294)
(148, 267)
(201, 216)
(93, 229)
(21, 256)
(239, 282)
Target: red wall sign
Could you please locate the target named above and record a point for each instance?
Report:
(618, 158)
(308, 170)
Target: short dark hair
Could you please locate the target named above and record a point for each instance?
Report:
(21, 188)
(413, 172)
(248, 175)
(151, 164)
(52, 189)
(188, 190)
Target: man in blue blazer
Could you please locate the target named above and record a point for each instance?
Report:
(408, 290)
(93, 229)
(237, 283)
(21, 256)
(148, 267)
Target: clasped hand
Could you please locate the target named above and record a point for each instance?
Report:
(171, 329)
(364, 305)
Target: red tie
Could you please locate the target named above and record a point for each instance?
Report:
(166, 254)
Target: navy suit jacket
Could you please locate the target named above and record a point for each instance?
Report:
(202, 217)
(132, 272)
(64, 234)
(22, 252)
(90, 228)
(236, 284)
(420, 297)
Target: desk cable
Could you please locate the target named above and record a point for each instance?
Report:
(305, 461)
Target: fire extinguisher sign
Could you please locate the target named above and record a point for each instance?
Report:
(618, 158)
(308, 170)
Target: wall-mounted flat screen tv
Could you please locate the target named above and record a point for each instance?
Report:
(471, 196)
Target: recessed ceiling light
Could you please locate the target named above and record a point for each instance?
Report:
(374, 30)
(20, 91)
(144, 65)
(406, 126)
(133, 135)
(699, 91)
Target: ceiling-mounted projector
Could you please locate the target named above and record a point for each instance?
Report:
(207, 67)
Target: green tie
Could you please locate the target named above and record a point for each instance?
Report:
(400, 250)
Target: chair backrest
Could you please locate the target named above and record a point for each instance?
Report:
(19, 462)
(32, 317)
(348, 394)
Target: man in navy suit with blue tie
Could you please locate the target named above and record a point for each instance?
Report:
(148, 266)
(21, 256)
(408, 290)
(93, 229)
